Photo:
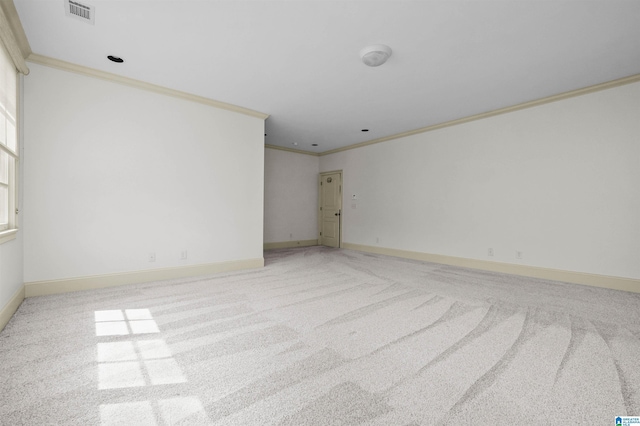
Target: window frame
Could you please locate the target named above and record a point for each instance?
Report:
(9, 230)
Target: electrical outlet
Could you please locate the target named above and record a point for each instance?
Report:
(152, 257)
(291, 236)
(518, 255)
(377, 239)
(183, 254)
(489, 252)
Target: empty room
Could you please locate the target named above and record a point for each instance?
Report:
(317, 212)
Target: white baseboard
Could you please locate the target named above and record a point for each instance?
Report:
(41, 288)
(11, 307)
(604, 281)
(290, 244)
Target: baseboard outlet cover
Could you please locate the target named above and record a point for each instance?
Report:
(594, 280)
(11, 307)
(290, 244)
(42, 288)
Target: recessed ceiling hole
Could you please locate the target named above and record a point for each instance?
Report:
(365, 130)
(115, 59)
(314, 144)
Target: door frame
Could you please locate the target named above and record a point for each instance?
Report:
(320, 176)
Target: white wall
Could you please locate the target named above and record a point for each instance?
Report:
(559, 182)
(10, 269)
(11, 264)
(291, 196)
(11, 253)
(115, 173)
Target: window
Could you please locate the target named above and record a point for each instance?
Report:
(8, 143)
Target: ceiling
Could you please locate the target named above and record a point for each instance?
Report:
(298, 60)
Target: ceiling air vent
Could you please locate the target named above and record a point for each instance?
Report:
(81, 11)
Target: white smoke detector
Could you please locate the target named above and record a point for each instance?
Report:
(375, 55)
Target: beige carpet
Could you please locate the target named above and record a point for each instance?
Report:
(325, 337)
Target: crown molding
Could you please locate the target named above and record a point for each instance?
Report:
(13, 36)
(297, 151)
(554, 98)
(91, 72)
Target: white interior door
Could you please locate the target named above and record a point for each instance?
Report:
(330, 208)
